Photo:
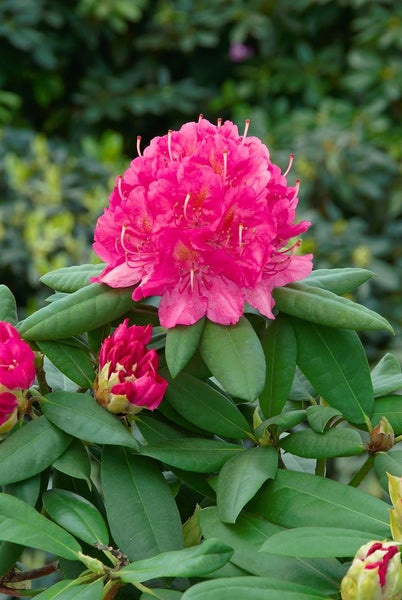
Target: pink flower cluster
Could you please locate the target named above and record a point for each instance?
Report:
(205, 220)
(17, 374)
(128, 379)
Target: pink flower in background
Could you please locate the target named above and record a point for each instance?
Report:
(204, 220)
(239, 52)
(17, 368)
(128, 379)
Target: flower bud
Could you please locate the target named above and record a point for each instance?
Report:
(8, 411)
(382, 437)
(395, 492)
(375, 573)
(128, 380)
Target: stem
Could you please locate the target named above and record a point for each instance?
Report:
(321, 467)
(362, 472)
(33, 573)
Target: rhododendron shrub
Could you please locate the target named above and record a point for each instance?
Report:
(205, 220)
(189, 394)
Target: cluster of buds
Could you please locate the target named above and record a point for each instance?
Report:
(17, 374)
(128, 378)
(375, 573)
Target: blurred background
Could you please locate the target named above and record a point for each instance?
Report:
(80, 79)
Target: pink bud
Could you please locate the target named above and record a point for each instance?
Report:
(128, 380)
(17, 369)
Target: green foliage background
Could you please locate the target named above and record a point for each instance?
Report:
(79, 80)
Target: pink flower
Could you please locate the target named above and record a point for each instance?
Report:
(128, 379)
(17, 368)
(205, 220)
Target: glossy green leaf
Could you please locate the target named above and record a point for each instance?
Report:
(86, 309)
(252, 588)
(22, 524)
(162, 595)
(280, 349)
(28, 491)
(189, 562)
(142, 514)
(334, 442)
(155, 430)
(69, 590)
(319, 416)
(30, 450)
(387, 376)
(391, 408)
(234, 356)
(193, 454)
(241, 477)
(77, 515)
(388, 462)
(315, 501)
(71, 279)
(74, 362)
(316, 542)
(81, 416)
(338, 281)
(206, 407)
(75, 461)
(326, 308)
(181, 343)
(334, 361)
(8, 306)
(284, 421)
(246, 538)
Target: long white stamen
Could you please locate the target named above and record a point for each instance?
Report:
(246, 126)
(219, 122)
(123, 233)
(192, 279)
(297, 187)
(291, 159)
(139, 138)
(169, 140)
(200, 117)
(186, 201)
(241, 227)
(225, 165)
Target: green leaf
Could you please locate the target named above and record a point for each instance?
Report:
(388, 462)
(334, 442)
(22, 524)
(314, 501)
(334, 361)
(75, 461)
(391, 408)
(81, 416)
(284, 421)
(338, 281)
(8, 306)
(84, 310)
(181, 343)
(316, 541)
(70, 590)
(326, 308)
(280, 349)
(234, 356)
(196, 561)
(252, 588)
(320, 415)
(246, 538)
(241, 477)
(142, 514)
(193, 454)
(206, 407)
(387, 376)
(154, 430)
(71, 279)
(74, 362)
(77, 515)
(161, 595)
(30, 450)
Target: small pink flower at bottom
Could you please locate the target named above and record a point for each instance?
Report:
(203, 219)
(128, 378)
(375, 573)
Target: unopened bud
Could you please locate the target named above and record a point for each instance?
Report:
(382, 437)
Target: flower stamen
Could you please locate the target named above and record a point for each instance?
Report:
(219, 122)
(246, 126)
(225, 165)
(139, 138)
(186, 201)
(200, 117)
(291, 159)
(169, 143)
